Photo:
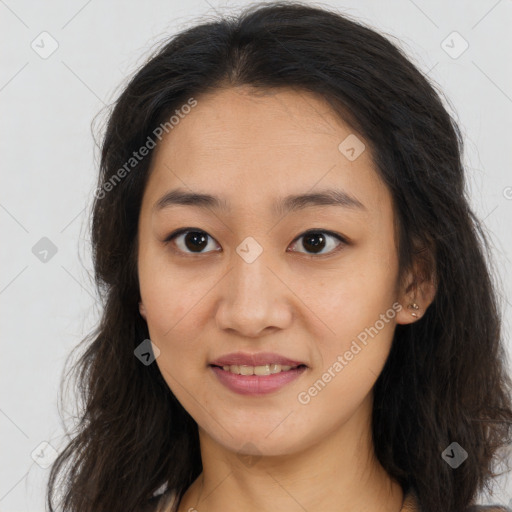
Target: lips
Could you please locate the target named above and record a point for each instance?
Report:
(256, 359)
(256, 385)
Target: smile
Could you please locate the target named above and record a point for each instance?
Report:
(266, 369)
(257, 380)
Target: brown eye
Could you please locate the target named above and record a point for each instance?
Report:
(190, 240)
(195, 241)
(314, 242)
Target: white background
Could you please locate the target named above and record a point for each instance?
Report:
(49, 167)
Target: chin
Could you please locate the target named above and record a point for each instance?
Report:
(258, 442)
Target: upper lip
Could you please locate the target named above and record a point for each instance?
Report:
(258, 359)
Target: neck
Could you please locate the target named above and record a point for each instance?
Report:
(340, 474)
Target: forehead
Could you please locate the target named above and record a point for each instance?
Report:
(246, 120)
(252, 144)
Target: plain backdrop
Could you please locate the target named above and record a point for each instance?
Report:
(62, 62)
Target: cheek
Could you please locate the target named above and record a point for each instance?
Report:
(350, 304)
(175, 305)
(170, 318)
(172, 324)
(170, 296)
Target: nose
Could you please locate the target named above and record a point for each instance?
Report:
(253, 299)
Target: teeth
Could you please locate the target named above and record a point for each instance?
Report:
(267, 369)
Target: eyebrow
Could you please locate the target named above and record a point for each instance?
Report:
(290, 203)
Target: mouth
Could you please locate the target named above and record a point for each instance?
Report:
(257, 373)
(257, 360)
(261, 370)
(256, 380)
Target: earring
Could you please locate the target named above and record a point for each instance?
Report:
(415, 307)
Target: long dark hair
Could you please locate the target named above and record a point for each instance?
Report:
(445, 378)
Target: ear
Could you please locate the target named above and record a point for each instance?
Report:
(142, 310)
(418, 289)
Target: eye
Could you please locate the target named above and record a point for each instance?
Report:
(194, 241)
(316, 241)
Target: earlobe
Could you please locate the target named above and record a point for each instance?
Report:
(415, 306)
(142, 310)
(419, 287)
(410, 312)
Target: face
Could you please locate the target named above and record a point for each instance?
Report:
(313, 281)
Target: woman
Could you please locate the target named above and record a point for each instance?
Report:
(299, 314)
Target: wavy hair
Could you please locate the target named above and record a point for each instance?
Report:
(445, 377)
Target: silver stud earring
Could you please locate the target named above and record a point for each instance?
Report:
(415, 307)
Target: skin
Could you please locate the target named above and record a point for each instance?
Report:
(252, 149)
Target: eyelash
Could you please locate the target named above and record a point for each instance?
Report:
(343, 241)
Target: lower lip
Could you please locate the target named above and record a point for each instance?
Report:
(256, 384)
